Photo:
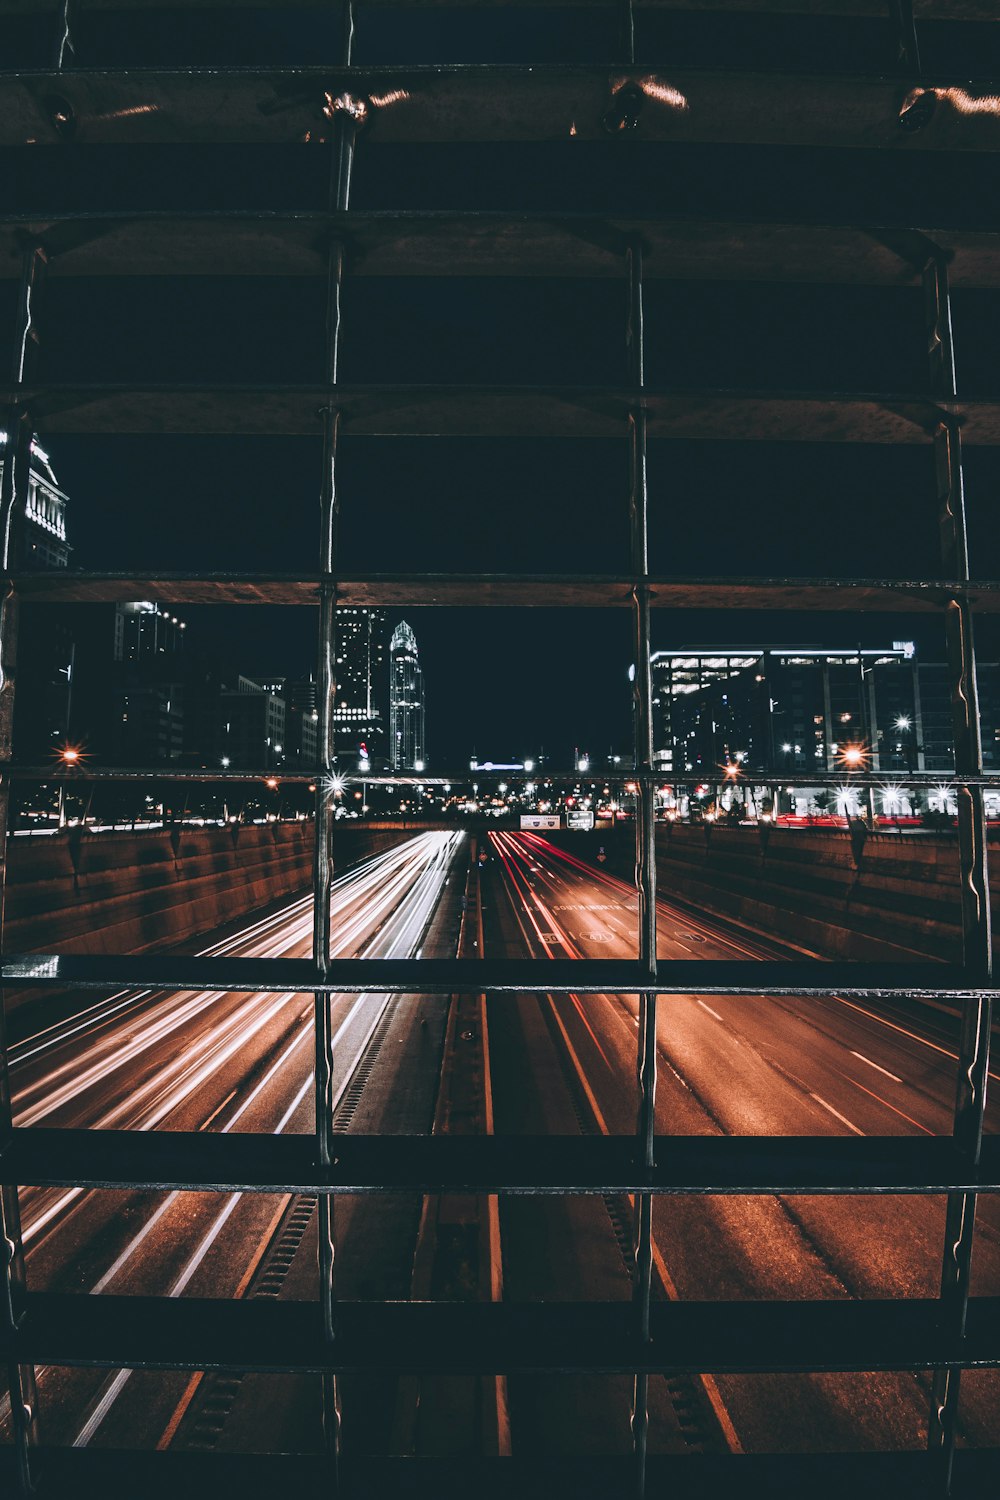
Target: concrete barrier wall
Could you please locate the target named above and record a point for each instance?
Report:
(132, 892)
(840, 894)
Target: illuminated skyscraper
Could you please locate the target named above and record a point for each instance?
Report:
(43, 542)
(406, 701)
(358, 720)
(47, 648)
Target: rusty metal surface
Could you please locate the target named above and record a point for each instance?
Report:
(386, 243)
(590, 591)
(424, 976)
(501, 411)
(489, 102)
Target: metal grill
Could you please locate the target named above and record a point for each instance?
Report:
(430, 105)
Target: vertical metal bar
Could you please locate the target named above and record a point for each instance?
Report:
(345, 120)
(628, 31)
(13, 501)
(65, 45)
(974, 1044)
(905, 35)
(940, 342)
(645, 847)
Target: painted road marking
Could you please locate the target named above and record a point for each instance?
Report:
(861, 1056)
(836, 1114)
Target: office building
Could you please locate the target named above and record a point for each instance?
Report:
(406, 701)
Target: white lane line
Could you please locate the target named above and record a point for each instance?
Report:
(133, 1245)
(904, 1031)
(878, 1068)
(711, 1012)
(427, 896)
(708, 1382)
(836, 1114)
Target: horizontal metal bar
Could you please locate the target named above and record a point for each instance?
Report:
(390, 243)
(413, 976)
(490, 102)
(943, 10)
(573, 590)
(711, 1476)
(501, 411)
(501, 1338)
(200, 1162)
(465, 776)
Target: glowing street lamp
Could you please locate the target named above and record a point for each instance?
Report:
(70, 756)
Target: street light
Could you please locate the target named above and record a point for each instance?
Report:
(70, 756)
(855, 758)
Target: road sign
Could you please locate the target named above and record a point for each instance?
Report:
(539, 820)
(580, 818)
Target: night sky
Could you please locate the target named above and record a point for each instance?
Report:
(507, 682)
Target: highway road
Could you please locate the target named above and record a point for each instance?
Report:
(558, 1064)
(739, 1066)
(235, 1062)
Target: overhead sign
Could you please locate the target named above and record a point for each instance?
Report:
(540, 820)
(580, 818)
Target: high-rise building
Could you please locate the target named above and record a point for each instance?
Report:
(43, 539)
(358, 718)
(406, 701)
(301, 736)
(147, 684)
(47, 649)
(253, 725)
(787, 710)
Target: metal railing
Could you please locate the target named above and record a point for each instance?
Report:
(443, 104)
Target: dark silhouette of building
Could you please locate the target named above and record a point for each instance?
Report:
(253, 725)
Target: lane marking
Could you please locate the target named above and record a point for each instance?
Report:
(218, 1109)
(711, 1012)
(708, 1382)
(903, 1031)
(877, 1066)
(836, 1114)
(884, 1102)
